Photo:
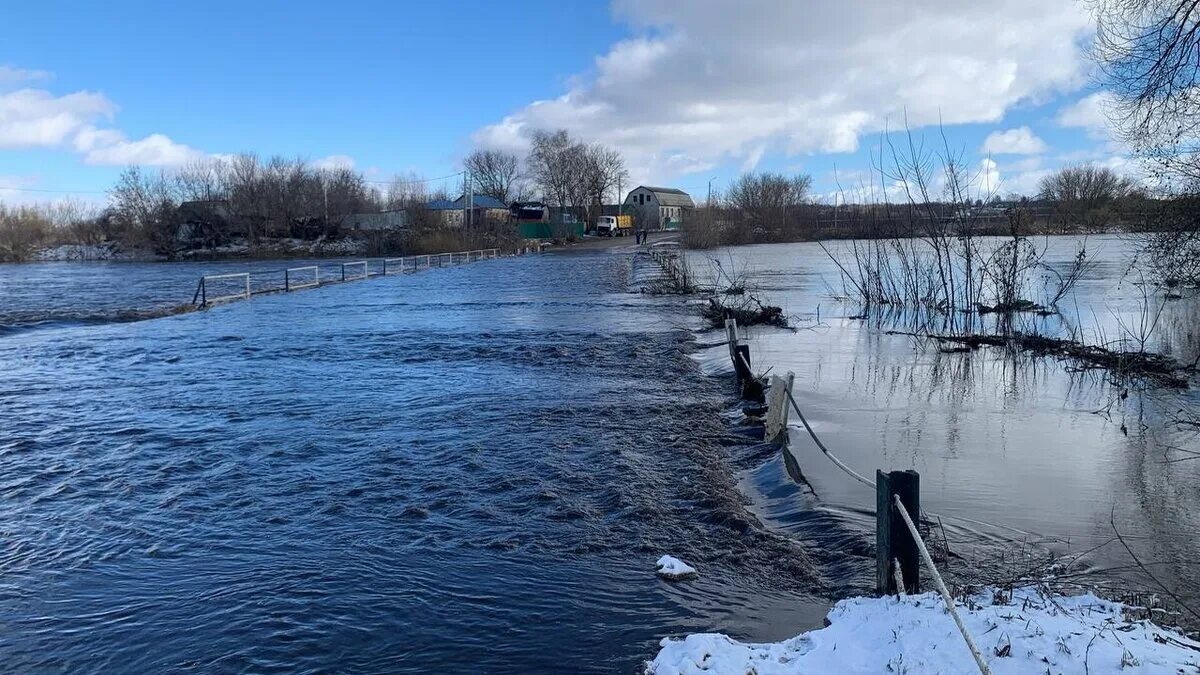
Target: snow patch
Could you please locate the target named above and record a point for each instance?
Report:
(88, 252)
(673, 568)
(1029, 632)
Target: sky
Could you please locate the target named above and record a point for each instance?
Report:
(693, 93)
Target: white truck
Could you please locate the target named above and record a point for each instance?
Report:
(614, 226)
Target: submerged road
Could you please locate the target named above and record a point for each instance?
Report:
(470, 467)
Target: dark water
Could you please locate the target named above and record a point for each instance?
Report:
(1022, 456)
(51, 295)
(464, 469)
(475, 468)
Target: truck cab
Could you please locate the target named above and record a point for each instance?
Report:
(613, 226)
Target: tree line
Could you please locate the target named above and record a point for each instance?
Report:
(768, 207)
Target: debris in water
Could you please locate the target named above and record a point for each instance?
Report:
(674, 569)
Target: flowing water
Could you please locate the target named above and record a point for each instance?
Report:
(465, 468)
(476, 467)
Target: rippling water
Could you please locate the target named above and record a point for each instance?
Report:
(476, 467)
(464, 468)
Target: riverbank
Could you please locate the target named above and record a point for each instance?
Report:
(291, 249)
(1022, 631)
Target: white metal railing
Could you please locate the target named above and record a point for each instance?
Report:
(202, 289)
(290, 284)
(357, 263)
(297, 278)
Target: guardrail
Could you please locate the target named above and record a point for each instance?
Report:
(289, 285)
(210, 290)
(202, 288)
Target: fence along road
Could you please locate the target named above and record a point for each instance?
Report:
(898, 541)
(217, 288)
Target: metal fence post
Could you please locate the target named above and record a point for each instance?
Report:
(893, 542)
(287, 281)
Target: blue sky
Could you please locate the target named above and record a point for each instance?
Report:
(689, 93)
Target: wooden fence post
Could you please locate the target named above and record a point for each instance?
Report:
(893, 541)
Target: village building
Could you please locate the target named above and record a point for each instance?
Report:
(454, 213)
(659, 208)
(395, 219)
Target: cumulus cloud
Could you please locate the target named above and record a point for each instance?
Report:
(1019, 141)
(110, 147)
(33, 118)
(715, 81)
(1090, 113)
(80, 121)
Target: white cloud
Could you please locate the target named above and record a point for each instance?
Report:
(988, 181)
(715, 81)
(1019, 141)
(335, 162)
(33, 118)
(11, 76)
(109, 147)
(1090, 113)
(754, 157)
(81, 121)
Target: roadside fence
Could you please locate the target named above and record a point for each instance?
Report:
(217, 288)
(899, 548)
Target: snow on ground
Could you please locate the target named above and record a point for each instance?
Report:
(674, 568)
(1029, 632)
(72, 252)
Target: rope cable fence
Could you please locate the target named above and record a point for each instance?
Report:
(984, 669)
(898, 547)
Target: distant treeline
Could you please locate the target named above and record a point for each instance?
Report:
(217, 202)
(767, 207)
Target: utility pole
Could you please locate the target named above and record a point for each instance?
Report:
(325, 192)
(470, 195)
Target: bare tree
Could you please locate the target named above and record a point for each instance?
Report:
(1085, 196)
(1149, 56)
(147, 205)
(553, 161)
(495, 173)
(601, 171)
(764, 199)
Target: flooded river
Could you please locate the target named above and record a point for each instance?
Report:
(1014, 450)
(466, 468)
(476, 467)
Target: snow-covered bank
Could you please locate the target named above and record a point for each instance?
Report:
(89, 253)
(267, 248)
(1029, 632)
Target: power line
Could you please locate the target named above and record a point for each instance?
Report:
(419, 180)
